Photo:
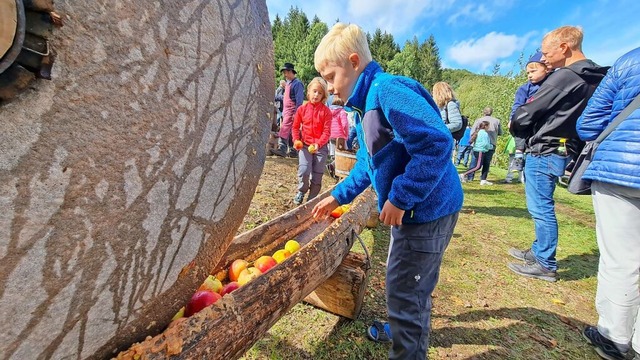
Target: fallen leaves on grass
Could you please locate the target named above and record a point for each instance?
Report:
(550, 343)
(558, 302)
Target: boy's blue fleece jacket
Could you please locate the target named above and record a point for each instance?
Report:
(405, 148)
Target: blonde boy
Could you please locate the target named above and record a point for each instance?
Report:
(405, 154)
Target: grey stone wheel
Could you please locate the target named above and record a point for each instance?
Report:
(125, 177)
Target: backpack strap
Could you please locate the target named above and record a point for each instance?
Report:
(446, 112)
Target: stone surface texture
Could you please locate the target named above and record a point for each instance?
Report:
(124, 179)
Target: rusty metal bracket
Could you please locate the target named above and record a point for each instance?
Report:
(47, 49)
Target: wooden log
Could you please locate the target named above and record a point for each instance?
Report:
(343, 293)
(374, 220)
(227, 329)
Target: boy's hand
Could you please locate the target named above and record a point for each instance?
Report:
(391, 215)
(313, 148)
(297, 145)
(324, 207)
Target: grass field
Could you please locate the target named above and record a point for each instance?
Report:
(481, 309)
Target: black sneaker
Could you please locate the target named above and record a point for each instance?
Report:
(524, 255)
(298, 198)
(278, 152)
(332, 170)
(606, 348)
(534, 270)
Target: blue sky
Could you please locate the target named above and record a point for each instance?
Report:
(475, 35)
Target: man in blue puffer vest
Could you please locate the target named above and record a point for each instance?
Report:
(405, 154)
(614, 172)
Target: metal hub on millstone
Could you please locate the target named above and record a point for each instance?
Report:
(25, 52)
(12, 23)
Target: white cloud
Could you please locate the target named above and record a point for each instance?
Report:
(486, 51)
(477, 13)
(395, 16)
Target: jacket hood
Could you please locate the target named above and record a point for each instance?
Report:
(588, 70)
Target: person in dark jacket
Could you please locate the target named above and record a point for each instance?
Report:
(292, 99)
(548, 125)
(616, 202)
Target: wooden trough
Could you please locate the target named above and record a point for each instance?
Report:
(227, 329)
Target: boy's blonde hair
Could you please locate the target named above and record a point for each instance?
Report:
(323, 84)
(340, 42)
(571, 35)
(442, 94)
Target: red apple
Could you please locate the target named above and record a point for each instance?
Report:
(236, 268)
(247, 275)
(200, 300)
(229, 288)
(264, 263)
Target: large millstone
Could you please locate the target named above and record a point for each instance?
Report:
(123, 180)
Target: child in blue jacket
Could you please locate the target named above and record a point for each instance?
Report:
(537, 72)
(405, 154)
(464, 148)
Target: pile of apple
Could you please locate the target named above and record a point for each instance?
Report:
(337, 212)
(240, 273)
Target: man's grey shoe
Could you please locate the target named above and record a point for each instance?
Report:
(534, 270)
(524, 255)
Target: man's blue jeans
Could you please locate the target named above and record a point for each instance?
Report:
(542, 172)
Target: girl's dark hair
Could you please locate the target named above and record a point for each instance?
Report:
(482, 126)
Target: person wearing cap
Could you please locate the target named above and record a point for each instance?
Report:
(548, 124)
(292, 99)
(537, 72)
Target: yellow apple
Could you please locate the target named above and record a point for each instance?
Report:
(292, 246)
(247, 275)
(236, 268)
(280, 255)
(179, 314)
(211, 283)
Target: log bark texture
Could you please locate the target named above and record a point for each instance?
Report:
(228, 328)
